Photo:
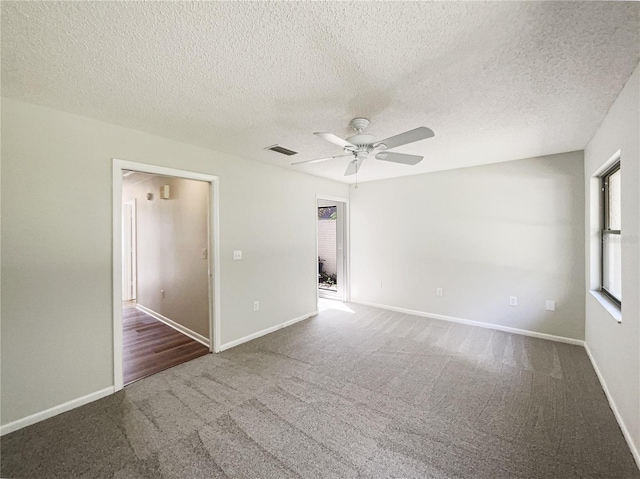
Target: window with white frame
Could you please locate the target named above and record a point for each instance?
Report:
(611, 252)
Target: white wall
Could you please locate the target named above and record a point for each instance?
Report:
(56, 247)
(482, 234)
(171, 234)
(615, 348)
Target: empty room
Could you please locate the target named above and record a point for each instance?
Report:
(416, 255)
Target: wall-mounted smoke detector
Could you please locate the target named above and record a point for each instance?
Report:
(282, 150)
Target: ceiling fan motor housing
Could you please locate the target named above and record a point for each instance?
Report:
(361, 140)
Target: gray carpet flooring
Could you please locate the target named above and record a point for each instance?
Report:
(368, 393)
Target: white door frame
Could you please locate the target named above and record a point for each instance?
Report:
(214, 259)
(346, 250)
(131, 280)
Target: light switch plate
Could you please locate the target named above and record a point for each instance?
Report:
(551, 305)
(513, 301)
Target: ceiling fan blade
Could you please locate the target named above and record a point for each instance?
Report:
(421, 133)
(336, 140)
(399, 158)
(354, 166)
(320, 159)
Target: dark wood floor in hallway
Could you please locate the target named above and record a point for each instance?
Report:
(150, 346)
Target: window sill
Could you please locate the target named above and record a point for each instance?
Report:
(609, 305)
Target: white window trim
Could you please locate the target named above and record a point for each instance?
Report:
(611, 307)
(595, 250)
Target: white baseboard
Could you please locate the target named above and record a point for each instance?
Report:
(178, 327)
(54, 411)
(506, 329)
(612, 404)
(237, 342)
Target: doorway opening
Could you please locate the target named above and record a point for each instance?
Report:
(165, 245)
(332, 248)
(165, 272)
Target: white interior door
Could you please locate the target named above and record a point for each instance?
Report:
(129, 251)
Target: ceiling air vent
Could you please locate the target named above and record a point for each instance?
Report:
(280, 149)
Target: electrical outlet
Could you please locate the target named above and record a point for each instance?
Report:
(204, 253)
(513, 301)
(237, 255)
(379, 284)
(439, 292)
(256, 305)
(551, 305)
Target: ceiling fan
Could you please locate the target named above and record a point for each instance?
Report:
(361, 146)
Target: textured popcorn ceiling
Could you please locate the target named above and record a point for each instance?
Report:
(495, 81)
